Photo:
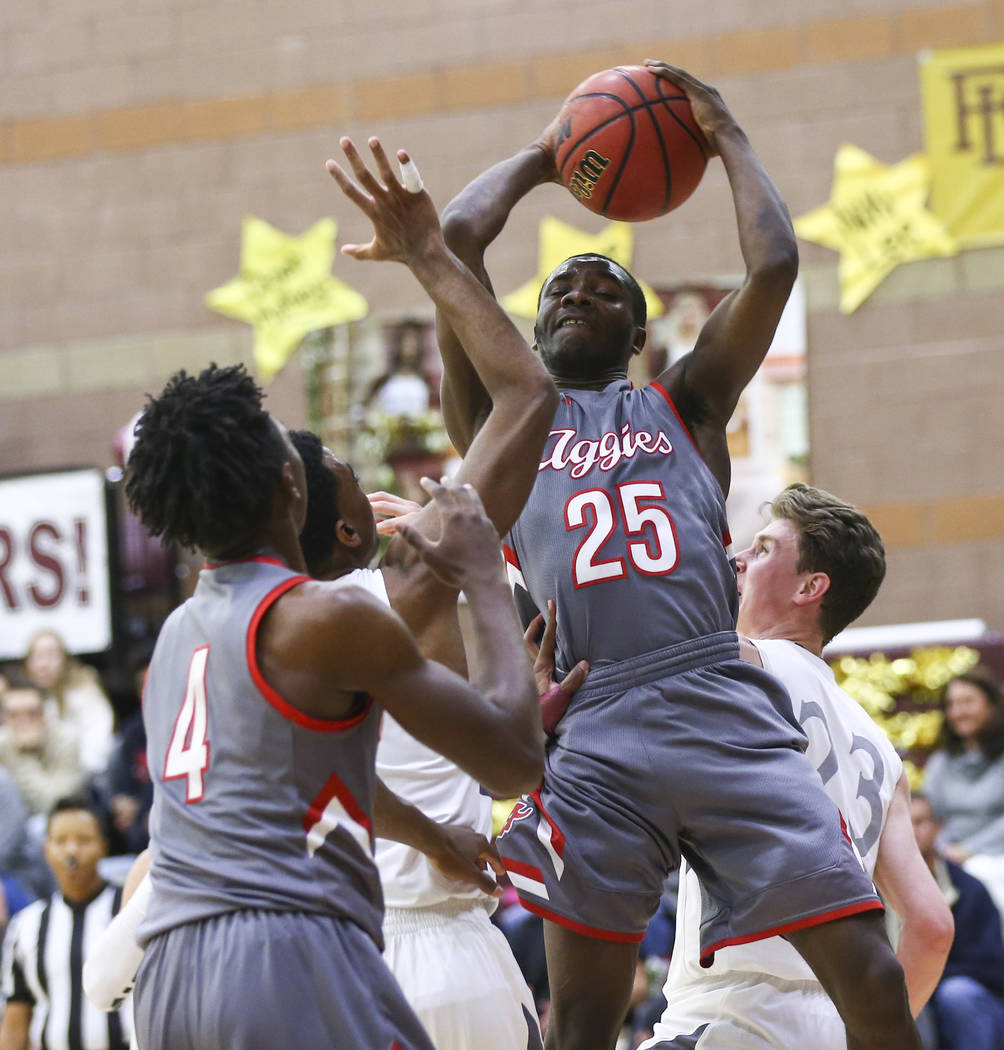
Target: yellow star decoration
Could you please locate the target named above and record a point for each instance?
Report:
(876, 219)
(285, 290)
(557, 241)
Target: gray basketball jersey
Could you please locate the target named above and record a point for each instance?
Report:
(256, 804)
(625, 529)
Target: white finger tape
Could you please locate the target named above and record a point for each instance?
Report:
(410, 176)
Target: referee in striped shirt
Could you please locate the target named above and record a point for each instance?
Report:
(47, 942)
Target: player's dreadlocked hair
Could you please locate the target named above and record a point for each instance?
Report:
(836, 538)
(206, 462)
(318, 536)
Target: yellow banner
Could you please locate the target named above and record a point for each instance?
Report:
(963, 95)
(876, 219)
(285, 290)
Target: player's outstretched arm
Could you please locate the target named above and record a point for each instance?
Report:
(707, 383)
(406, 228)
(471, 221)
(909, 889)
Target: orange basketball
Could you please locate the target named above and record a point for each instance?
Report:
(628, 145)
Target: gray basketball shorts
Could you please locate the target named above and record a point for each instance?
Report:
(688, 750)
(258, 980)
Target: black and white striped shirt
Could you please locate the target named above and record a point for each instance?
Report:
(43, 961)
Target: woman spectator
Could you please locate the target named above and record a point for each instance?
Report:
(73, 693)
(964, 778)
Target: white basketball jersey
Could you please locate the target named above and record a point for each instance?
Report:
(431, 783)
(859, 768)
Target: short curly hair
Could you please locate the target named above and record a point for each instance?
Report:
(206, 462)
(836, 538)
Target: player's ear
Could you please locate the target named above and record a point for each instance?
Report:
(346, 535)
(638, 343)
(814, 585)
(289, 485)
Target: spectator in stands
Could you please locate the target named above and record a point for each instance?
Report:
(964, 778)
(73, 693)
(42, 755)
(968, 1004)
(47, 942)
(22, 867)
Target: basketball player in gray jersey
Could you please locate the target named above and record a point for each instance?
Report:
(674, 745)
(262, 706)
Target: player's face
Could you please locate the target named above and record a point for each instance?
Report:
(768, 579)
(353, 506)
(586, 320)
(967, 709)
(73, 847)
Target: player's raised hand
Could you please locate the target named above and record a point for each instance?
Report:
(465, 855)
(555, 696)
(392, 511)
(466, 554)
(405, 223)
(710, 111)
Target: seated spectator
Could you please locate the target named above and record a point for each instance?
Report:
(47, 942)
(967, 1007)
(41, 755)
(74, 694)
(21, 863)
(964, 778)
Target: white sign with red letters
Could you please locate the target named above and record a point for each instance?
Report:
(54, 561)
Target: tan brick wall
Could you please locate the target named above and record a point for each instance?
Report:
(132, 143)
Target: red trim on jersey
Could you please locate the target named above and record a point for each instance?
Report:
(726, 539)
(240, 561)
(284, 707)
(708, 956)
(669, 401)
(557, 835)
(578, 927)
(334, 787)
(510, 556)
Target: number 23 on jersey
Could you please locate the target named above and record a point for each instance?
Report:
(633, 504)
(188, 751)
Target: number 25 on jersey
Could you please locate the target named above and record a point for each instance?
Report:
(653, 553)
(188, 751)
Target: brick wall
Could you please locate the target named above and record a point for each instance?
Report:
(135, 136)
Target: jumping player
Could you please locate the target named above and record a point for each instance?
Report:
(262, 705)
(810, 572)
(674, 745)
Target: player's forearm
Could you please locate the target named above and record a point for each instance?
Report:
(504, 674)
(922, 951)
(496, 350)
(766, 237)
(395, 819)
(477, 215)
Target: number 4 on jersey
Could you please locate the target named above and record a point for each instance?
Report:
(188, 752)
(654, 555)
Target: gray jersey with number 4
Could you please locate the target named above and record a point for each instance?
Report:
(256, 805)
(625, 529)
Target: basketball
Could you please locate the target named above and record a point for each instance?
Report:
(628, 146)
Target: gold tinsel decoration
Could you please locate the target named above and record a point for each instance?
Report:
(903, 695)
